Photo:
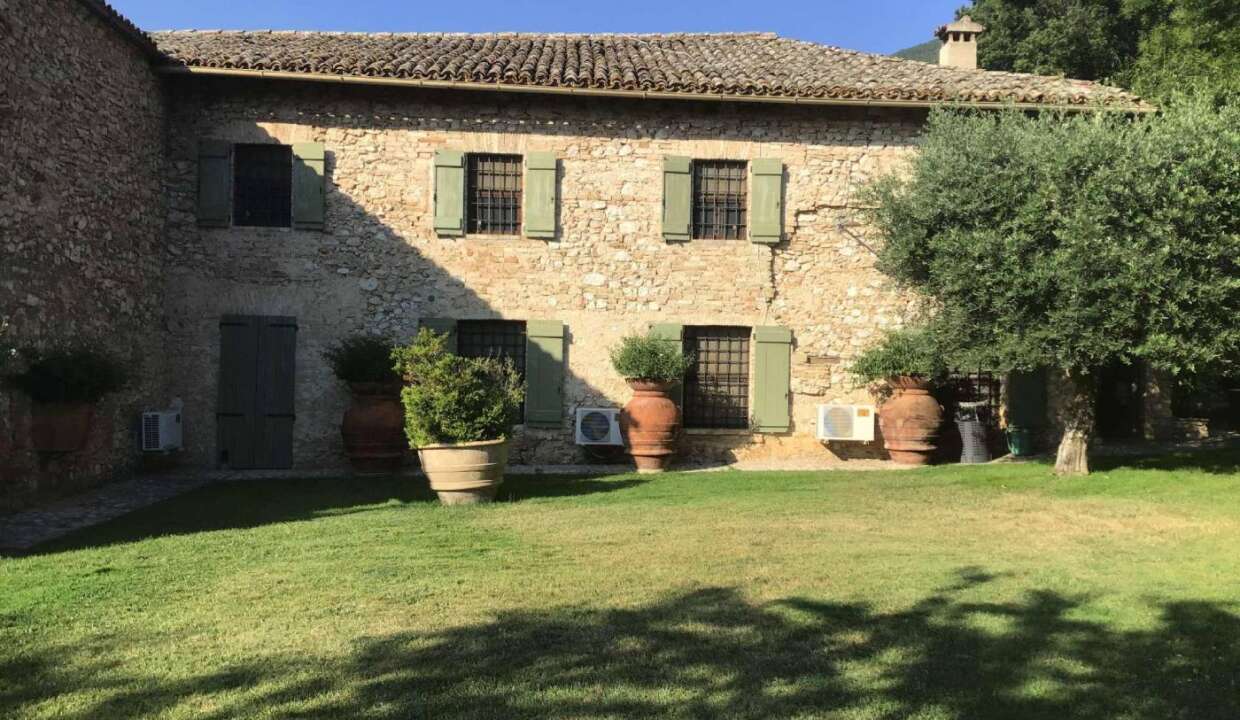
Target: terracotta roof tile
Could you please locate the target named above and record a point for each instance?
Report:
(754, 65)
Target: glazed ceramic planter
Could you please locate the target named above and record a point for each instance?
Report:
(910, 421)
(373, 429)
(60, 427)
(465, 473)
(650, 425)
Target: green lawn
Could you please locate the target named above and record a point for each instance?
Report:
(993, 591)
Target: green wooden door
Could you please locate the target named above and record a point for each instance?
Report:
(256, 408)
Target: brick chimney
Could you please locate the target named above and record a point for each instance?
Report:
(959, 43)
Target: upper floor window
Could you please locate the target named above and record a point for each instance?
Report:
(262, 185)
(493, 195)
(716, 387)
(719, 199)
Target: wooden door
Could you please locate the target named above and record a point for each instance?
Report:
(256, 410)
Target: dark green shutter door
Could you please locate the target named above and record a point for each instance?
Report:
(309, 164)
(214, 183)
(235, 409)
(449, 192)
(673, 333)
(677, 197)
(772, 384)
(1026, 399)
(276, 406)
(766, 206)
(540, 195)
(544, 373)
(443, 326)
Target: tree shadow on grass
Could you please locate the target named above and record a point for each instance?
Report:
(711, 653)
(247, 504)
(1215, 461)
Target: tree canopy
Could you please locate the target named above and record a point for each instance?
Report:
(1073, 241)
(1155, 47)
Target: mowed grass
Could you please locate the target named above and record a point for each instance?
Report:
(954, 592)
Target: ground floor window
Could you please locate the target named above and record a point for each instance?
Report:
(495, 339)
(716, 389)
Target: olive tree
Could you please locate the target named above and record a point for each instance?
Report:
(1073, 241)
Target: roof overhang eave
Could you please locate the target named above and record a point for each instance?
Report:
(633, 94)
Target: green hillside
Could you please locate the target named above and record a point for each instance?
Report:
(925, 52)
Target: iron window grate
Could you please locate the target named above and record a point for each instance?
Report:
(494, 339)
(981, 388)
(719, 199)
(262, 185)
(494, 194)
(716, 390)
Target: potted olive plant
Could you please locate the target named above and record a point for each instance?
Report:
(459, 415)
(64, 385)
(650, 421)
(373, 426)
(901, 371)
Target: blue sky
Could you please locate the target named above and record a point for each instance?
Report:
(873, 25)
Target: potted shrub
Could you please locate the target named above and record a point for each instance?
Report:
(459, 414)
(902, 369)
(64, 385)
(650, 421)
(373, 428)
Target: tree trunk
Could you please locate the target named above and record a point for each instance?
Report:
(1078, 425)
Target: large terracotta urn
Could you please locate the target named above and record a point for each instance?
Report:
(373, 429)
(650, 424)
(60, 427)
(910, 421)
(465, 473)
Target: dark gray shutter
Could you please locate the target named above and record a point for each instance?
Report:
(276, 404)
(234, 412)
(214, 183)
(544, 373)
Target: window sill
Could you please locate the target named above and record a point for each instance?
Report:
(718, 431)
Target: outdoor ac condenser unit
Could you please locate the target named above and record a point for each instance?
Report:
(846, 422)
(161, 431)
(598, 426)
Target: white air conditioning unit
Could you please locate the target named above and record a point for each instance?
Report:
(161, 431)
(846, 422)
(598, 426)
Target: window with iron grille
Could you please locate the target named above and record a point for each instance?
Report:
(494, 339)
(262, 185)
(716, 390)
(719, 199)
(979, 389)
(494, 194)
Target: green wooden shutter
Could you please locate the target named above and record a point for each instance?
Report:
(214, 183)
(235, 409)
(309, 167)
(443, 326)
(677, 197)
(1026, 399)
(544, 373)
(275, 407)
(673, 333)
(449, 192)
(766, 204)
(772, 384)
(540, 195)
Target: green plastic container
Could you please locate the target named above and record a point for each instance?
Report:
(1020, 440)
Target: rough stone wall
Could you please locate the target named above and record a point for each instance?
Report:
(379, 266)
(81, 215)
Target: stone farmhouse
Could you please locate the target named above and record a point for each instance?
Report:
(218, 207)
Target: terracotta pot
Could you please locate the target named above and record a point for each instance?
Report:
(910, 421)
(374, 429)
(465, 473)
(650, 424)
(60, 427)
